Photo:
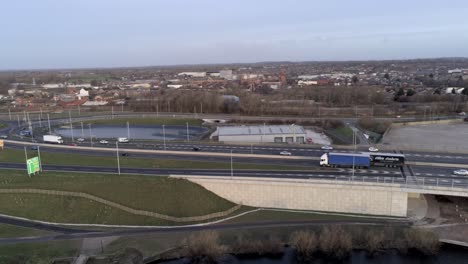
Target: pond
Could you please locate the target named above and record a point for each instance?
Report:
(135, 132)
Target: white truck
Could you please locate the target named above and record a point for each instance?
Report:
(52, 139)
(122, 140)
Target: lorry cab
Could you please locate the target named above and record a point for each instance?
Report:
(324, 160)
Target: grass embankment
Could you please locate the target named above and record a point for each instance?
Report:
(174, 197)
(54, 158)
(375, 128)
(168, 121)
(7, 231)
(3, 125)
(341, 135)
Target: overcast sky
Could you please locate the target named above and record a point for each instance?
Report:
(112, 33)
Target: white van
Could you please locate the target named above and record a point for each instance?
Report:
(122, 140)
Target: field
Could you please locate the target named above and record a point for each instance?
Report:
(168, 196)
(55, 158)
(38, 253)
(168, 121)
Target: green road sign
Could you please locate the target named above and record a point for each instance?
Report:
(33, 165)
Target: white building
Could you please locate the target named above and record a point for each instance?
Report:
(458, 90)
(226, 74)
(193, 74)
(174, 86)
(52, 86)
(301, 82)
(260, 134)
(83, 93)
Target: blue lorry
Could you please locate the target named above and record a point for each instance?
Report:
(362, 159)
(332, 159)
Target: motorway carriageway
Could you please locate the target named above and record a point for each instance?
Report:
(386, 174)
(311, 155)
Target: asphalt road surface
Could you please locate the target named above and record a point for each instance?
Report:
(79, 234)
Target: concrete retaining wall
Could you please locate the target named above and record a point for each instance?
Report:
(309, 195)
(429, 122)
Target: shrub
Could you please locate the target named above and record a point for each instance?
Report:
(305, 243)
(335, 242)
(203, 247)
(424, 241)
(374, 240)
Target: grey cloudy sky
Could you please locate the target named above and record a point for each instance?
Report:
(110, 33)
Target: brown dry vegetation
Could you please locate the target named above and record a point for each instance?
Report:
(269, 246)
(334, 242)
(203, 247)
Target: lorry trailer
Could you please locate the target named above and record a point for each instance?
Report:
(362, 159)
(52, 139)
(386, 159)
(356, 160)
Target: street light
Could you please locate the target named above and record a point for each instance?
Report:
(118, 158)
(232, 169)
(164, 136)
(90, 135)
(48, 122)
(128, 130)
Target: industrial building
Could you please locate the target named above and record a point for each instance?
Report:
(260, 134)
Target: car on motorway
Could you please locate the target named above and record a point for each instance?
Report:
(72, 144)
(34, 147)
(122, 140)
(196, 148)
(124, 154)
(80, 140)
(327, 147)
(373, 149)
(461, 172)
(4, 136)
(285, 153)
(104, 142)
(465, 119)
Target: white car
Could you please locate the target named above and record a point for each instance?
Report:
(327, 147)
(372, 149)
(103, 142)
(80, 140)
(285, 153)
(461, 172)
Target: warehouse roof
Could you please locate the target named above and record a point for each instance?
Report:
(259, 130)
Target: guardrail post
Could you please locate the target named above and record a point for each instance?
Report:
(452, 183)
(437, 180)
(424, 181)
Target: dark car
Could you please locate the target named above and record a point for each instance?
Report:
(465, 119)
(34, 147)
(196, 149)
(125, 154)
